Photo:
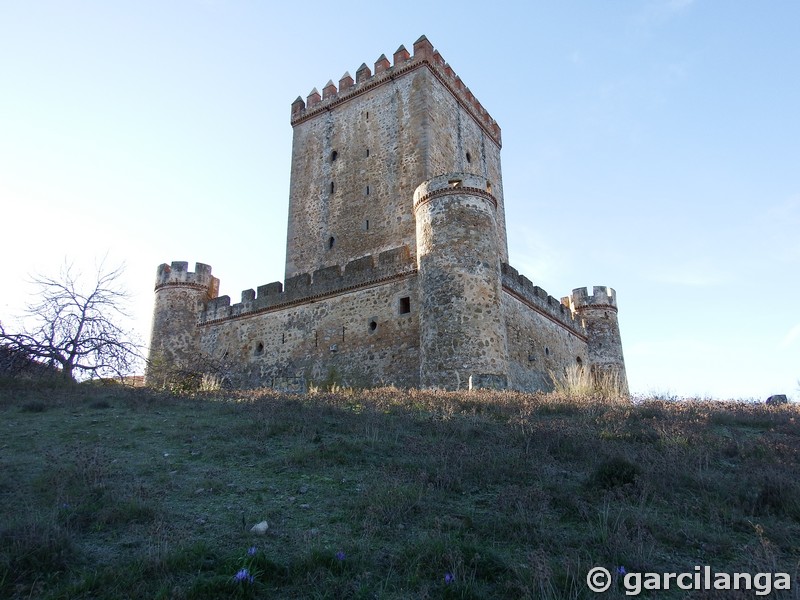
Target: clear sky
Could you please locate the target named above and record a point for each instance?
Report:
(653, 146)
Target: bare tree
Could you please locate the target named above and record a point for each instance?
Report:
(74, 325)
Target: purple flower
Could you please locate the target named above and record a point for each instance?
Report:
(340, 555)
(243, 576)
(621, 570)
(449, 578)
(251, 551)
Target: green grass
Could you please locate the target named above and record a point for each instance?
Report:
(110, 492)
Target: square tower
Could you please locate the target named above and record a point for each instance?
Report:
(360, 150)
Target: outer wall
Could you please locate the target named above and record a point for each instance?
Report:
(537, 347)
(326, 341)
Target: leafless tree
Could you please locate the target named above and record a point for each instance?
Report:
(75, 325)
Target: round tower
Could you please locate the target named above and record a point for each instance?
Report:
(599, 315)
(181, 297)
(462, 329)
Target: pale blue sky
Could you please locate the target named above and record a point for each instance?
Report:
(653, 146)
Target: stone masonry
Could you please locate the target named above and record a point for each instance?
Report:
(397, 266)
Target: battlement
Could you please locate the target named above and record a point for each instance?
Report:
(454, 183)
(178, 274)
(424, 55)
(536, 298)
(602, 297)
(361, 272)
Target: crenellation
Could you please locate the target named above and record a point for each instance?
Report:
(363, 73)
(276, 287)
(424, 54)
(345, 83)
(535, 297)
(382, 64)
(325, 281)
(177, 274)
(601, 296)
(329, 91)
(400, 56)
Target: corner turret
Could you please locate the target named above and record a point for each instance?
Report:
(181, 297)
(599, 315)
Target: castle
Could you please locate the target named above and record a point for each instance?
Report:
(397, 266)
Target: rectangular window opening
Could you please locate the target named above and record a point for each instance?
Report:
(405, 305)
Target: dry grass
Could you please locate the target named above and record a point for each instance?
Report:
(111, 492)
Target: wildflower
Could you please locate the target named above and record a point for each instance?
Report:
(243, 576)
(449, 578)
(251, 551)
(340, 555)
(621, 570)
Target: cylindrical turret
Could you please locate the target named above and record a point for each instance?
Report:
(599, 314)
(180, 298)
(462, 330)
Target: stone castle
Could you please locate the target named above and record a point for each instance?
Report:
(397, 268)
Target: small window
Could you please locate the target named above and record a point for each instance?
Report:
(547, 351)
(331, 242)
(367, 152)
(367, 115)
(579, 360)
(469, 158)
(366, 225)
(373, 325)
(334, 155)
(331, 187)
(488, 187)
(405, 305)
(367, 191)
(259, 347)
(454, 183)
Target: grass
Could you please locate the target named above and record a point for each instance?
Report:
(112, 492)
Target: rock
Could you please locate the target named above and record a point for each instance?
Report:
(260, 528)
(303, 489)
(777, 399)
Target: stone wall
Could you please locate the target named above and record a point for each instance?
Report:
(363, 337)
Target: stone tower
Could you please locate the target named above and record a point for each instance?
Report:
(361, 150)
(397, 266)
(181, 297)
(604, 343)
(462, 327)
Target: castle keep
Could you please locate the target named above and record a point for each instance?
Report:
(397, 267)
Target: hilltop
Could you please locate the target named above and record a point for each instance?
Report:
(113, 492)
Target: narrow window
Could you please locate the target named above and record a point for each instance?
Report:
(367, 152)
(366, 225)
(367, 190)
(331, 242)
(343, 333)
(259, 347)
(469, 158)
(373, 325)
(331, 187)
(579, 361)
(547, 351)
(316, 339)
(334, 155)
(367, 115)
(488, 187)
(283, 338)
(405, 305)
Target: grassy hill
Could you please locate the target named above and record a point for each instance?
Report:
(111, 492)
